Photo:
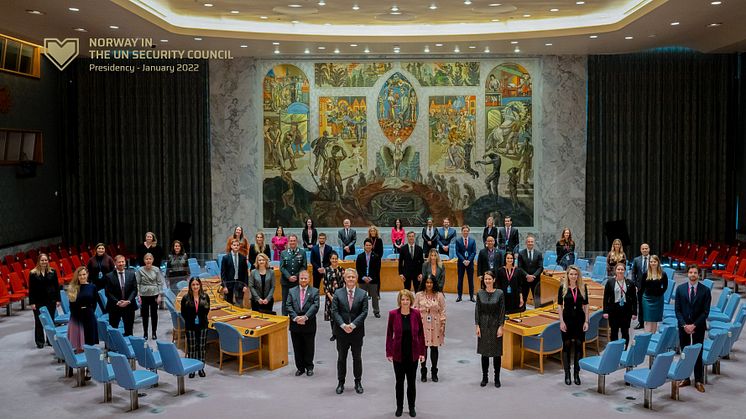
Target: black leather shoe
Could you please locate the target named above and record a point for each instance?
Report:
(398, 412)
(567, 378)
(472, 299)
(340, 388)
(378, 315)
(333, 338)
(191, 375)
(358, 387)
(412, 412)
(577, 379)
(154, 337)
(40, 346)
(309, 373)
(458, 299)
(299, 373)
(145, 336)
(201, 373)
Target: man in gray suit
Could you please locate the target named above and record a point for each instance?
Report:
(349, 309)
(347, 238)
(302, 306)
(639, 269)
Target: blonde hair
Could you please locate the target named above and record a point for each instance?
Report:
(566, 281)
(264, 257)
(155, 239)
(438, 261)
(658, 272)
(37, 269)
(74, 287)
(404, 293)
(256, 246)
(620, 254)
(374, 228)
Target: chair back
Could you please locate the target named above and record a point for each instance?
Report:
(550, 256)
(171, 359)
(599, 269)
(69, 353)
(170, 296)
(684, 367)
(52, 336)
(664, 342)
(45, 317)
(723, 299)
(610, 357)
(120, 344)
(659, 371)
(220, 258)
(138, 346)
(102, 297)
(712, 354)
(232, 341)
(552, 337)
(709, 283)
(212, 267)
(122, 371)
(583, 264)
(181, 285)
(194, 270)
(730, 339)
(64, 302)
(593, 324)
(730, 308)
(97, 364)
(103, 333)
(635, 355)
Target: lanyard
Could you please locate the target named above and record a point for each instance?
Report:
(196, 305)
(574, 295)
(510, 274)
(621, 288)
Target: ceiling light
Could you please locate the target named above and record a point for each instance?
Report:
(593, 36)
(336, 50)
(438, 45)
(495, 4)
(495, 20)
(80, 30)
(353, 45)
(675, 23)
(467, 2)
(306, 51)
(486, 49)
(395, 13)
(34, 12)
(73, 9)
(554, 10)
(263, 17)
(527, 15)
(548, 44)
(355, 7)
(394, 8)
(367, 50)
(517, 50)
(277, 51)
(208, 4)
(716, 3)
(244, 46)
(427, 49)
(197, 39)
(652, 35)
(327, 24)
(513, 42)
(295, 22)
(294, 5)
(472, 46)
(715, 24)
(235, 12)
(322, 3)
(456, 49)
(275, 43)
(580, 3)
(321, 48)
(164, 40)
(113, 27)
(433, 6)
(629, 37)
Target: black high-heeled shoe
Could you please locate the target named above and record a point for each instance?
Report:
(191, 375)
(201, 373)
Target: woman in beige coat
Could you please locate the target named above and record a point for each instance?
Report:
(432, 306)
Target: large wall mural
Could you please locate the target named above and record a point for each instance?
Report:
(345, 165)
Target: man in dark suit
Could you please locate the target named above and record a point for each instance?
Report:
(347, 238)
(692, 309)
(489, 258)
(429, 237)
(639, 269)
(320, 254)
(302, 306)
(292, 262)
(507, 236)
(410, 263)
(466, 251)
(531, 261)
(445, 236)
(121, 291)
(368, 266)
(234, 274)
(349, 309)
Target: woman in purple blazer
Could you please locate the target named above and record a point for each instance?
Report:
(405, 347)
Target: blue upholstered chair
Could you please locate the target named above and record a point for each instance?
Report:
(740, 319)
(598, 274)
(181, 285)
(170, 296)
(722, 301)
(176, 365)
(102, 299)
(64, 317)
(651, 378)
(232, 343)
(662, 341)
(712, 348)
(683, 368)
(635, 354)
(728, 312)
(121, 345)
(131, 380)
(349, 257)
(392, 256)
(220, 258)
(51, 336)
(583, 264)
(100, 370)
(212, 267)
(179, 328)
(550, 258)
(725, 349)
(46, 321)
(75, 361)
(604, 364)
(547, 342)
(146, 357)
(592, 334)
(709, 283)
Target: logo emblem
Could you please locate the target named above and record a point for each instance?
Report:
(61, 53)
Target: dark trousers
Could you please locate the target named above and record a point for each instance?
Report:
(264, 308)
(235, 294)
(127, 315)
(372, 290)
(640, 317)
(304, 347)
(345, 344)
(619, 321)
(433, 358)
(470, 275)
(410, 280)
(38, 327)
(686, 339)
(149, 309)
(406, 369)
(317, 279)
(285, 289)
(534, 288)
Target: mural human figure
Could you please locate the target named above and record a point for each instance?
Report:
(468, 147)
(297, 139)
(454, 193)
(287, 151)
(273, 139)
(288, 197)
(527, 157)
(334, 178)
(493, 180)
(318, 148)
(513, 186)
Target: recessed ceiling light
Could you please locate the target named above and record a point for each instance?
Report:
(675, 23)
(275, 43)
(208, 5)
(527, 15)
(294, 5)
(513, 42)
(235, 12)
(548, 44)
(467, 2)
(321, 48)
(472, 46)
(433, 6)
(164, 40)
(580, 3)
(294, 22)
(327, 24)
(554, 10)
(427, 49)
(73, 9)
(394, 8)
(438, 45)
(277, 51)
(716, 3)
(629, 37)
(495, 20)
(197, 39)
(322, 3)
(367, 50)
(486, 49)
(113, 27)
(353, 45)
(244, 46)
(80, 30)
(34, 12)
(593, 36)
(355, 7)
(263, 17)
(456, 49)
(336, 50)
(395, 13)
(517, 50)
(495, 4)
(306, 51)
(712, 25)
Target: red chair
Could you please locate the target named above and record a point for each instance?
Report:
(53, 256)
(63, 253)
(75, 259)
(675, 251)
(4, 271)
(26, 273)
(29, 263)
(20, 255)
(84, 256)
(17, 267)
(740, 271)
(722, 259)
(709, 263)
(67, 270)
(4, 296)
(54, 265)
(9, 259)
(687, 252)
(18, 289)
(729, 268)
(12, 298)
(33, 254)
(698, 257)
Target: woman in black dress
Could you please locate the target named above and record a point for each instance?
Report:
(81, 329)
(375, 239)
(99, 266)
(150, 245)
(510, 280)
(489, 317)
(572, 299)
(333, 280)
(258, 247)
(44, 291)
(194, 309)
(565, 249)
(309, 235)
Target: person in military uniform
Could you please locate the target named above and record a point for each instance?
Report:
(292, 261)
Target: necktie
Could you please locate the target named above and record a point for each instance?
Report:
(121, 283)
(235, 265)
(530, 255)
(347, 234)
(692, 293)
(302, 297)
(411, 251)
(445, 233)
(349, 298)
(645, 264)
(321, 252)
(507, 234)
(466, 243)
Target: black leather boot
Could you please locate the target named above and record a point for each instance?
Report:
(566, 364)
(497, 371)
(435, 374)
(423, 371)
(485, 367)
